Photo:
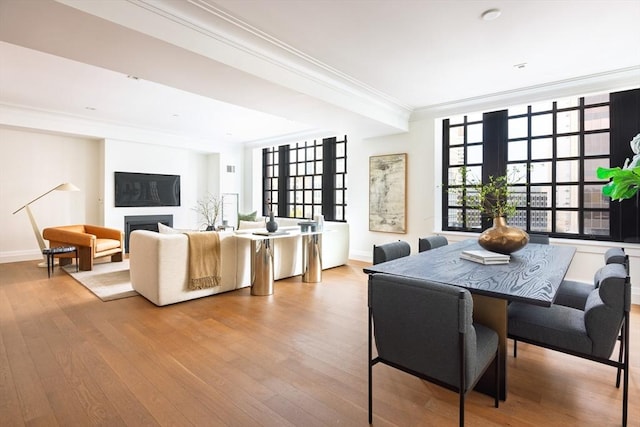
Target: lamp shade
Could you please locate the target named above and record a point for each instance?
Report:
(67, 186)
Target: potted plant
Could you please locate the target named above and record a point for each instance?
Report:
(209, 209)
(492, 199)
(625, 181)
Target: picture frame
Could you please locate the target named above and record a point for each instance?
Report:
(230, 208)
(387, 193)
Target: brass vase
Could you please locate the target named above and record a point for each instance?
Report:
(503, 238)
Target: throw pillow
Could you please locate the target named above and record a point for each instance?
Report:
(244, 225)
(165, 229)
(246, 217)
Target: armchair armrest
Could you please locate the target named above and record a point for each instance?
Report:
(66, 236)
(104, 232)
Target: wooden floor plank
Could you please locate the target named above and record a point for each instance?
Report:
(297, 357)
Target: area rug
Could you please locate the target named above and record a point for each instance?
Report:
(108, 281)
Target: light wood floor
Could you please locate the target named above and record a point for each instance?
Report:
(296, 358)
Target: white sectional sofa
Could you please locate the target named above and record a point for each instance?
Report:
(159, 262)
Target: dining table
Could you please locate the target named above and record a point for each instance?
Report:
(532, 275)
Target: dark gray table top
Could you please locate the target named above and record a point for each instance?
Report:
(533, 275)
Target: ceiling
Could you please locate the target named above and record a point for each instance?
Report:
(254, 71)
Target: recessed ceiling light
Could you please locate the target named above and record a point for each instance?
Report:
(90, 108)
(520, 66)
(491, 14)
(133, 77)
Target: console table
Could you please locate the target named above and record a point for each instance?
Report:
(262, 258)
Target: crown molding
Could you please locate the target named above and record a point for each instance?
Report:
(202, 27)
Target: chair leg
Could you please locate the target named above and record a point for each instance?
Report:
(515, 348)
(497, 375)
(370, 372)
(625, 386)
(619, 357)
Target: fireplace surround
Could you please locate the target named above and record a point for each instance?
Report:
(143, 222)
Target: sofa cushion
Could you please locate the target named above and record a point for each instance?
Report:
(246, 217)
(246, 225)
(165, 229)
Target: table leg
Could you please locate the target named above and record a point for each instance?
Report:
(312, 258)
(261, 267)
(492, 312)
(50, 263)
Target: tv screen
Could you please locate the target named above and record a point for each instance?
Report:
(146, 189)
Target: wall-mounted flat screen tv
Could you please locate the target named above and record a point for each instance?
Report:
(146, 189)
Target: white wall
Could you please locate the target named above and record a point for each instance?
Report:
(32, 164)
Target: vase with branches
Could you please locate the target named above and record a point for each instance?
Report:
(209, 209)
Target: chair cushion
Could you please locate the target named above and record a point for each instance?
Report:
(431, 242)
(615, 256)
(390, 251)
(106, 244)
(573, 294)
(485, 349)
(559, 326)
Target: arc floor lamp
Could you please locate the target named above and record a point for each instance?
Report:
(66, 186)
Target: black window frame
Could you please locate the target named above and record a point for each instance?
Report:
(624, 124)
(303, 179)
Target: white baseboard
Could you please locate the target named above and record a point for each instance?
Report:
(17, 256)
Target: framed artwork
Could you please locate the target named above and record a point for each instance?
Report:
(230, 208)
(387, 193)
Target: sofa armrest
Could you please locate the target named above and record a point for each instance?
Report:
(65, 236)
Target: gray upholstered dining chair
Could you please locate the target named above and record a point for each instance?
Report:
(542, 239)
(426, 329)
(390, 251)
(590, 333)
(431, 242)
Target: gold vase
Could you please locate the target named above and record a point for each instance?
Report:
(503, 238)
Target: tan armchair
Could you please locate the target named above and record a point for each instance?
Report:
(92, 242)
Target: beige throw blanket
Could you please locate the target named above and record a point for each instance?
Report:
(204, 260)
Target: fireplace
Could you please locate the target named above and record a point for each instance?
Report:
(143, 222)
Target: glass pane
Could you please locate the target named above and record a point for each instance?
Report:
(518, 128)
(568, 146)
(567, 103)
(456, 120)
(474, 174)
(454, 218)
(596, 118)
(596, 223)
(308, 196)
(455, 197)
(474, 133)
(456, 135)
(593, 197)
(567, 171)
(339, 194)
(567, 196)
(567, 222)
(299, 169)
(517, 150)
(519, 219)
(298, 182)
(308, 181)
(339, 150)
(517, 173)
(596, 144)
(454, 176)
(541, 106)
(540, 220)
(473, 219)
(308, 212)
(319, 166)
(317, 181)
(474, 154)
(568, 121)
(319, 152)
(518, 110)
(269, 171)
(311, 168)
(339, 213)
(293, 156)
(542, 148)
(540, 196)
(591, 166)
(541, 172)
(518, 195)
(596, 99)
(310, 153)
(298, 197)
(456, 155)
(340, 166)
(542, 125)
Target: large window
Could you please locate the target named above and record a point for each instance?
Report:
(550, 151)
(305, 179)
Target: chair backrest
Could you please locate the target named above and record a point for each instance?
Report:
(431, 242)
(417, 325)
(617, 256)
(605, 308)
(390, 251)
(542, 239)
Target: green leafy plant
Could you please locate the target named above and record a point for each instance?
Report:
(624, 183)
(491, 198)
